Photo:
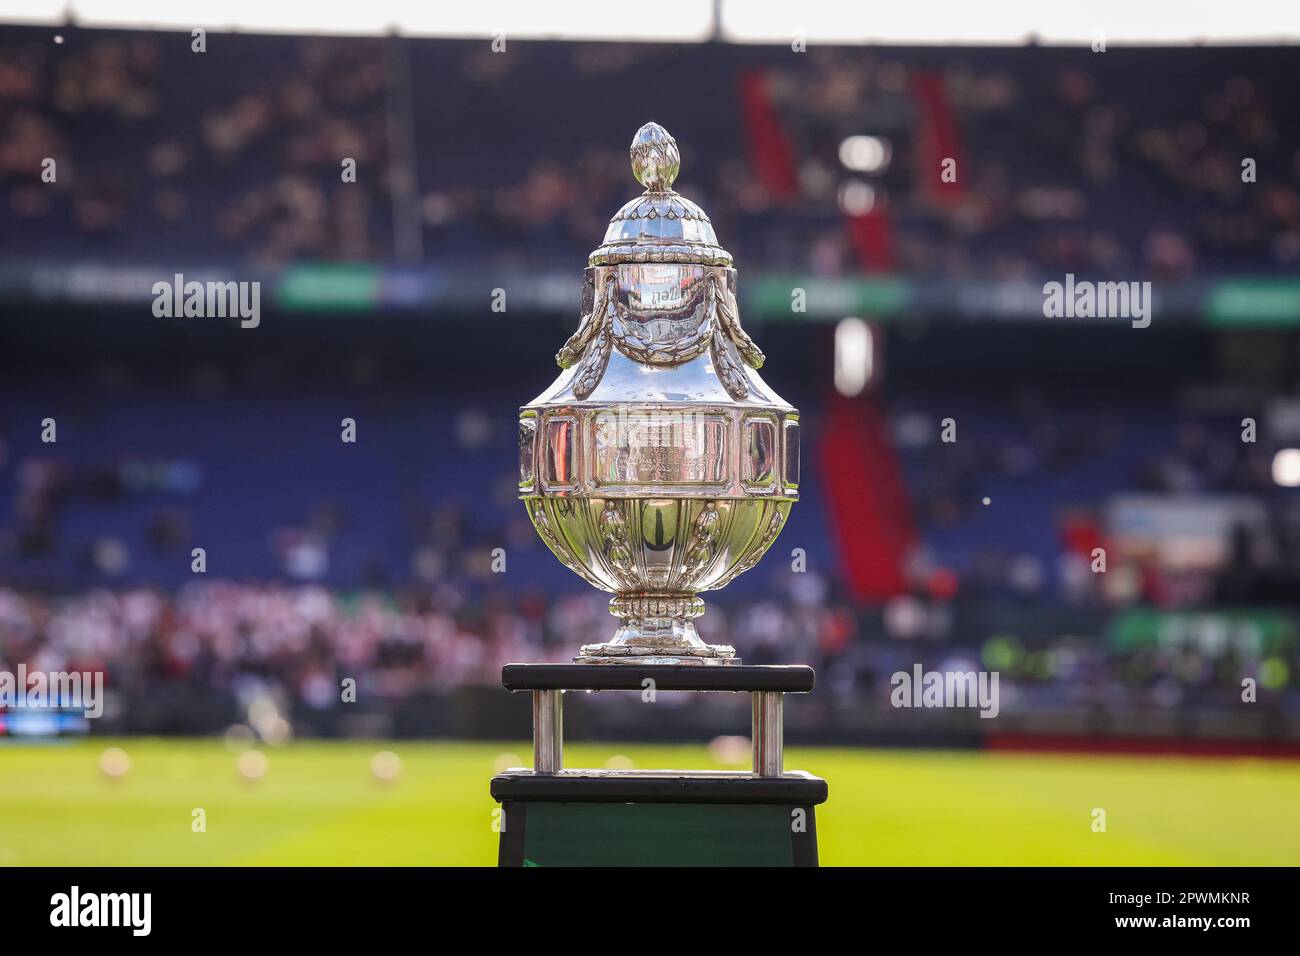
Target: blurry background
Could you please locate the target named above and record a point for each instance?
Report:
(480, 170)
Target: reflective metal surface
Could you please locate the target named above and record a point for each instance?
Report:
(658, 464)
(767, 733)
(548, 731)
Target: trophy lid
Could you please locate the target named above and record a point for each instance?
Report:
(659, 225)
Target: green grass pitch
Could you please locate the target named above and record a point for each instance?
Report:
(318, 803)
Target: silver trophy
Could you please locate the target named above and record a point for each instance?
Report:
(659, 465)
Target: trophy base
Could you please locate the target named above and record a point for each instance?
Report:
(648, 639)
(609, 654)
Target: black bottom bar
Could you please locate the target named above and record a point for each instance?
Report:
(250, 907)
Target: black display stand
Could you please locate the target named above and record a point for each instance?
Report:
(558, 817)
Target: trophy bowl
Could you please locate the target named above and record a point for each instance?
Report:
(658, 464)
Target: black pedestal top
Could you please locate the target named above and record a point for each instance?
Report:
(788, 678)
(659, 786)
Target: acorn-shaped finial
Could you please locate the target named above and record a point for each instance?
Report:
(655, 160)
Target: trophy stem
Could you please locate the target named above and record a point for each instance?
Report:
(656, 628)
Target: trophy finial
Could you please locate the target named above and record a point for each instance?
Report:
(660, 225)
(655, 159)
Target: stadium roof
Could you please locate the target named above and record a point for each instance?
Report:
(939, 22)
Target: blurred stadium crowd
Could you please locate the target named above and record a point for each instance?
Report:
(821, 165)
(325, 562)
(380, 568)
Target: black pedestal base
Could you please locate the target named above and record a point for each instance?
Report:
(658, 818)
(558, 817)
